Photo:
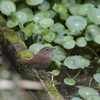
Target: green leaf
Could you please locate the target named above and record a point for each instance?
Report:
(97, 39)
(94, 15)
(69, 44)
(75, 62)
(60, 8)
(7, 7)
(58, 64)
(73, 32)
(67, 38)
(68, 3)
(47, 44)
(21, 16)
(81, 42)
(40, 15)
(74, 9)
(62, 32)
(91, 32)
(76, 98)
(84, 62)
(12, 23)
(64, 16)
(57, 27)
(37, 29)
(69, 81)
(58, 53)
(48, 35)
(35, 48)
(87, 91)
(21, 36)
(58, 57)
(97, 77)
(99, 6)
(98, 70)
(51, 13)
(76, 23)
(28, 30)
(93, 97)
(59, 39)
(28, 13)
(85, 8)
(44, 6)
(46, 22)
(72, 62)
(55, 72)
(34, 2)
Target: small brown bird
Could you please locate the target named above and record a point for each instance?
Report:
(41, 60)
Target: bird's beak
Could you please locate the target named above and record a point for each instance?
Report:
(53, 48)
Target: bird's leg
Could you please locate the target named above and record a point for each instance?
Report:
(43, 74)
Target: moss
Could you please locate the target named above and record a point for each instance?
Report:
(10, 47)
(53, 91)
(24, 54)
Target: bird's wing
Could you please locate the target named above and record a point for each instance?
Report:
(37, 61)
(23, 60)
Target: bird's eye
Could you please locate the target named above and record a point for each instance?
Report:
(47, 49)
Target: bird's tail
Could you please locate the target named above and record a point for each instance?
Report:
(23, 60)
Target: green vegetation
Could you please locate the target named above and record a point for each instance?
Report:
(70, 26)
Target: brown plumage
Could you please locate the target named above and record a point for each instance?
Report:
(41, 60)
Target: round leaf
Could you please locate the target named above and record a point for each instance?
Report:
(69, 81)
(93, 97)
(21, 16)
(7, 7)
(73, 32)
(46, 22)
(35, 48)
(91, 32)
(28, 13)
(68, 3)
(76, 98)
(94, 15)
(59, 39)
(97, 77)
(76, 23)
(57, 27)
(74, 9)
(87, 91)
(12, 23)
(48, 35)
(67, 38)
(85, 8)
(72, 62)
(34, 2)
(97, 38)
(28, 30)
(47, 44)
(44, 6)
(55, 72)
(58, 57)
(81, 42)
(64, 16)
(58, 53)
(51, 13)
(59, 8)
(69, 44)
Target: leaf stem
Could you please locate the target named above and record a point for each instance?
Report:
(91, 80)
(77, 74)
(93, 51)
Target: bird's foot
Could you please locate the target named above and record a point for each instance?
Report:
(43, 74)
